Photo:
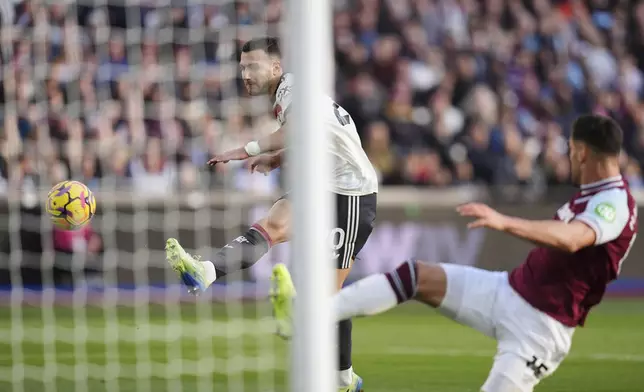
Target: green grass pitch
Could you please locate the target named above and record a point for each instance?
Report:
(206, 347)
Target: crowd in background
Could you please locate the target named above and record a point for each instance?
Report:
(443, 92)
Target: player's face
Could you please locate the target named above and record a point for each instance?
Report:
(258, 69)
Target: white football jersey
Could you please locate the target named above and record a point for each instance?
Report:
(353, 174)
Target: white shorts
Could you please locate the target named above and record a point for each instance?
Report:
(531, 344)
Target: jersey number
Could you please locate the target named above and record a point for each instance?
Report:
(343, 119)
(337, 237)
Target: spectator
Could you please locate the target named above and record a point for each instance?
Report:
(153, 173)
(76, 256)
(381, 152)
(443, 92)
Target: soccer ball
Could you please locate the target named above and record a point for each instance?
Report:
(70, 205)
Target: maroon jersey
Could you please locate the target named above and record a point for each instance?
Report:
(566, 286)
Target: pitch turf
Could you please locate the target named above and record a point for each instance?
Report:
(212, 348)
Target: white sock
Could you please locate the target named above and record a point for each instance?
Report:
(211, 273)
(365, 297)
(345, 377)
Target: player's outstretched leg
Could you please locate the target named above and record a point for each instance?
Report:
(378, 293)
(241, 253)
(372, 295)
(282, 294)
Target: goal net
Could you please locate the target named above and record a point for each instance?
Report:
(132, 97)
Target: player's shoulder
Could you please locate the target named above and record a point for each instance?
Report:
(608, 211)
(609, 205)
(285, 87)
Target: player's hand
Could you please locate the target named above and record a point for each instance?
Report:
(264, 163)
(238, 154)
(484, 215)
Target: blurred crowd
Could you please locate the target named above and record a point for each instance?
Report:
(443, 92)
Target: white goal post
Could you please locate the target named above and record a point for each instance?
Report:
(310, 53)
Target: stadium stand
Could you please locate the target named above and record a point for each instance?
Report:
(443, 92)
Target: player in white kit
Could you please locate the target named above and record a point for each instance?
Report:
(354, 185)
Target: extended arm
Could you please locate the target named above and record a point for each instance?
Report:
(568, 237)
(271, 143)
(603, 219)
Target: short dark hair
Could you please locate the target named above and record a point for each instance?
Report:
(602, 134)
(269, 45)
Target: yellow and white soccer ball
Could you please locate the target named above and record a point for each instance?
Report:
(71, 205)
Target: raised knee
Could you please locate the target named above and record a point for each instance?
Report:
(431, 283)
(277, 227)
